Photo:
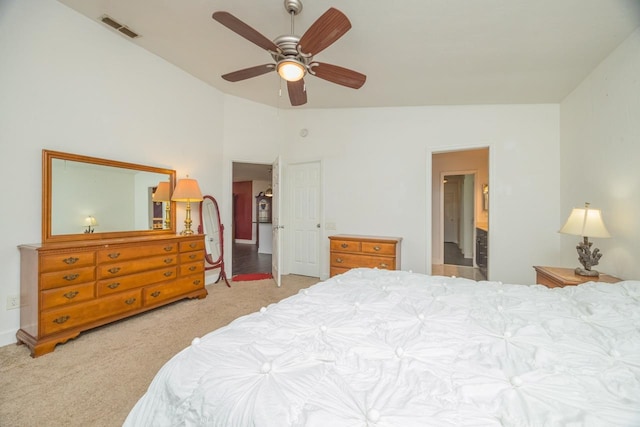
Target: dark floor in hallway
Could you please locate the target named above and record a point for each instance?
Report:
(453, 255)
(246, 259)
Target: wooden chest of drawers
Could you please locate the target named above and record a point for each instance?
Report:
(352, 251)
(67, 288)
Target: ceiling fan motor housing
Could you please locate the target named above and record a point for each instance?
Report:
(293, 6)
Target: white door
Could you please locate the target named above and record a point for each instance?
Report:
(276, 255)
(304, 181)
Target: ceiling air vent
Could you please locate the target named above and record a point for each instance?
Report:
(118, 26)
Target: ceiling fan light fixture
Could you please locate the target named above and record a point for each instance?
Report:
(291, 70)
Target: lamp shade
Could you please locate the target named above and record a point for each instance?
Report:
(187, 190)
(291, 70)
(585, 222)
(90, 221)
(162, 193)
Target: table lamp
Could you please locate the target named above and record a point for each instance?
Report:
(586, 222)
(187, 190)
(163, 194)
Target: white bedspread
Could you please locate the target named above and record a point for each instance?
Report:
(390, 348)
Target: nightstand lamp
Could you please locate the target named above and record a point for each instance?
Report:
(586, 222)
(187, 190)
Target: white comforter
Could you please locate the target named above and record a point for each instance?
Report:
(389, 348)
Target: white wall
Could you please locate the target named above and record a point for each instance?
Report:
(600, 151)
(252, 134)
(377, 180)
(69, 84)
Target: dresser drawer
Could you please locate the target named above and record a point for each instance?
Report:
(123, 254)
(345, 246)
(195, 245)
(129, 267)
(192, 268)
(355, 260)
(56, 320)
(122, 283)
(379, 248)
(58, 279)
(161, 292)
(56, 262)
(191, 257)
(67, 295)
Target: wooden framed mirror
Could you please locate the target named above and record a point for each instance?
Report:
(88, 198)
(212, 228)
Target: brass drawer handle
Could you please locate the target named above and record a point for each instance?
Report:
(192, 256)
(71, 277)
(71, 294)
(113, 285)
(339, 260)
(114, 270)
(114, 255)
(383, 265)
(376, 248)
(196, 282)
(168, 273)
(129, 301)
(155, 293)
(168, 248)
(168, 260)
(60, 320)
(344, 246)
(192, 268)
(70, 260)
(193, 245)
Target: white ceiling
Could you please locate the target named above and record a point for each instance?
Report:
(414, 52)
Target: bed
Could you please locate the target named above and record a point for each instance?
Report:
(391, 348)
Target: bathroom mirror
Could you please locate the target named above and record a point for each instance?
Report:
(86, 198)
(213, 230)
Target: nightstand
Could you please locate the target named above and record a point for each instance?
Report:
(556, 277)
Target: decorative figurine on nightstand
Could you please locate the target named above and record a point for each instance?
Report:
(586, 222)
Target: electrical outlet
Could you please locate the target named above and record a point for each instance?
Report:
(13, 302)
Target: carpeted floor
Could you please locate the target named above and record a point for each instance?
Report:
(96, 379)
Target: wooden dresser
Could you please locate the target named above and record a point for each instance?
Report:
(557, 277)
(67, 288)
(353, 251)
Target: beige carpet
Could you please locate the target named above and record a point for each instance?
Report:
(96, 379)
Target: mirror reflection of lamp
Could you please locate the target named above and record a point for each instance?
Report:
(90, 222)
(163, 195)
(586, 222)
(187, 190)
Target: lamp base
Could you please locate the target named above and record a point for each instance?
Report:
(590, 273)
(187, 232)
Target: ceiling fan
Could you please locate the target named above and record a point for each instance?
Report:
(293, 55)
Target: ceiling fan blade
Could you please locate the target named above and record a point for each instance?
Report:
(339, 75)
(297, 93)
(239, 27)
(247, 73)
(322, 33)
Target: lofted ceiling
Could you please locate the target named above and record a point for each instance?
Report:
(414, 52)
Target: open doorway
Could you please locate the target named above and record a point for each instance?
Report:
(460, 214)
(251, 227)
